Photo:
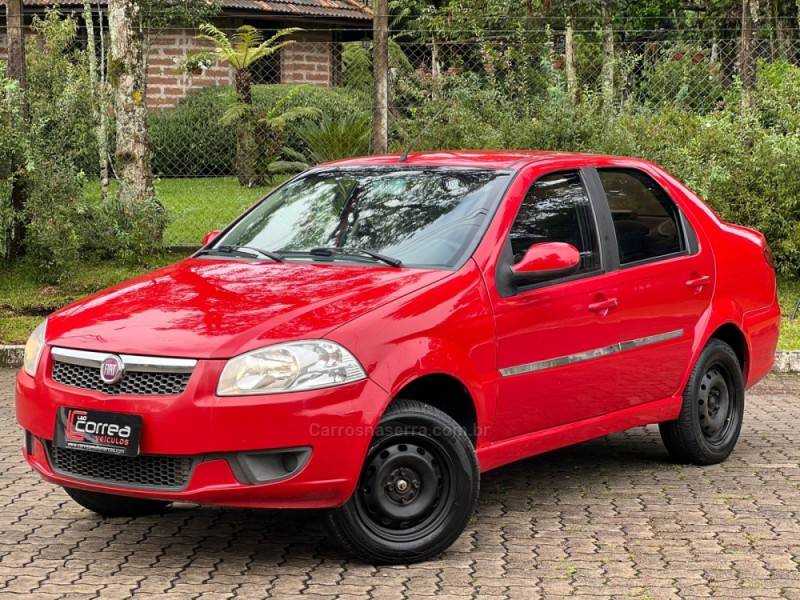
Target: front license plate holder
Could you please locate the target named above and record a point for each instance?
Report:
(111, 433)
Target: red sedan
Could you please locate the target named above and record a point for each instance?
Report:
(377, 332)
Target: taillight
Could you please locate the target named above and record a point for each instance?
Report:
(769, 257)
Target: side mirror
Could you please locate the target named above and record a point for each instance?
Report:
(548, 260)
(209, 237)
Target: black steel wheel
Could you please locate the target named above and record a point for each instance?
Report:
(713, 408)
(417, 490)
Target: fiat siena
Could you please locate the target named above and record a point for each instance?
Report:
(377, 332)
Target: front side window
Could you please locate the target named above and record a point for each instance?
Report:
(645, 217)
(557, 209)
(424, 217)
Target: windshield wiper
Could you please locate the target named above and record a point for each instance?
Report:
(330, 251)
(245, 250)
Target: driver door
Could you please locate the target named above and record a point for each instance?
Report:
(551, 335)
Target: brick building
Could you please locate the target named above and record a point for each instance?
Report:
(315, 58)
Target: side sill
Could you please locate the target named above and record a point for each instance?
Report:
(502, 452)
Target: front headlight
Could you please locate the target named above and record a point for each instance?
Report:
(33, 349)
(290, 367)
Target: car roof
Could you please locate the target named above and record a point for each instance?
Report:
(487, 159)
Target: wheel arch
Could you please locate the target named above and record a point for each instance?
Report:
(447, 393)
(733, 335)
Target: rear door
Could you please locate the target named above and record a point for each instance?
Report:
(664, 282)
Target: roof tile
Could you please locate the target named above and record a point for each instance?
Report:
(339, 9)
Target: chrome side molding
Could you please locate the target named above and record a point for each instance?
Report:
(133, 362)
(560, 361)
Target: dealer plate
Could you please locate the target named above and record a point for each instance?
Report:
(98, 431)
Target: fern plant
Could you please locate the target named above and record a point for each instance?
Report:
(241, 51)
(271, 132)
(336, 137)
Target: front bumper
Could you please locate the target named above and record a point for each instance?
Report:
(335, 425)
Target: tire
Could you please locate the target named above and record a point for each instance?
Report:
(417, 492)
(707, 429)
(111, 505)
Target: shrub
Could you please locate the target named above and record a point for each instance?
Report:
(14, 150)
(357, 65)
(54, 212)
(778, 96)
(683, 78)
(333, 138)
(191, 141)
(451, 112)
(59, 94)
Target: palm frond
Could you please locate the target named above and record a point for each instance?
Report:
(294, 155)
(222, 45)
(245, 46)
(236, 112)
(285, 166)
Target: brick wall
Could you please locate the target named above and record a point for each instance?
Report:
(166, 81)
(312, 59)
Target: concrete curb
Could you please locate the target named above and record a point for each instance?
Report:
(785, 362)
(11, 356)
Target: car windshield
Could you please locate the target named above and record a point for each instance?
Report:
(419, 217)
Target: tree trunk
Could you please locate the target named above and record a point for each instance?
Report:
(569, 59)
(15, 236)
(607, 72)
(127, 78)
(380, 76)
(784, 46)
(436, 68)
(246, 145)
(746, 69)
(797, 3)
(99, 98)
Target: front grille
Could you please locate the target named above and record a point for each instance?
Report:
(147, 470)
(134, 382)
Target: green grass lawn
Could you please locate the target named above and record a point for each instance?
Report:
(789, 294)
(196, 206)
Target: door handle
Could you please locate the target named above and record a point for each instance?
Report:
(603, 306)
(698, 282)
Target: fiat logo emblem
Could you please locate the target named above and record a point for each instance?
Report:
(112, 369)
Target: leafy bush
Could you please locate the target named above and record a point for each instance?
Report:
(46, 152)
(778, 96)
(357, 65)
(54, 209)
(59, 94)
(451, 112)
(14, 150)
(192, 141)
(683, 78)
(333, 138)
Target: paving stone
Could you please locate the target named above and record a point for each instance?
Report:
(611, 518)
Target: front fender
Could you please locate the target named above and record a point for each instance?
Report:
(445, 328)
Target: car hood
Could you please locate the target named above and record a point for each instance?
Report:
(208, 308)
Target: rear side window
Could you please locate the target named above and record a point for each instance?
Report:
(645, 217)
(557, 209)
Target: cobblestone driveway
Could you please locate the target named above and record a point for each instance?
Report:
(611, 517)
